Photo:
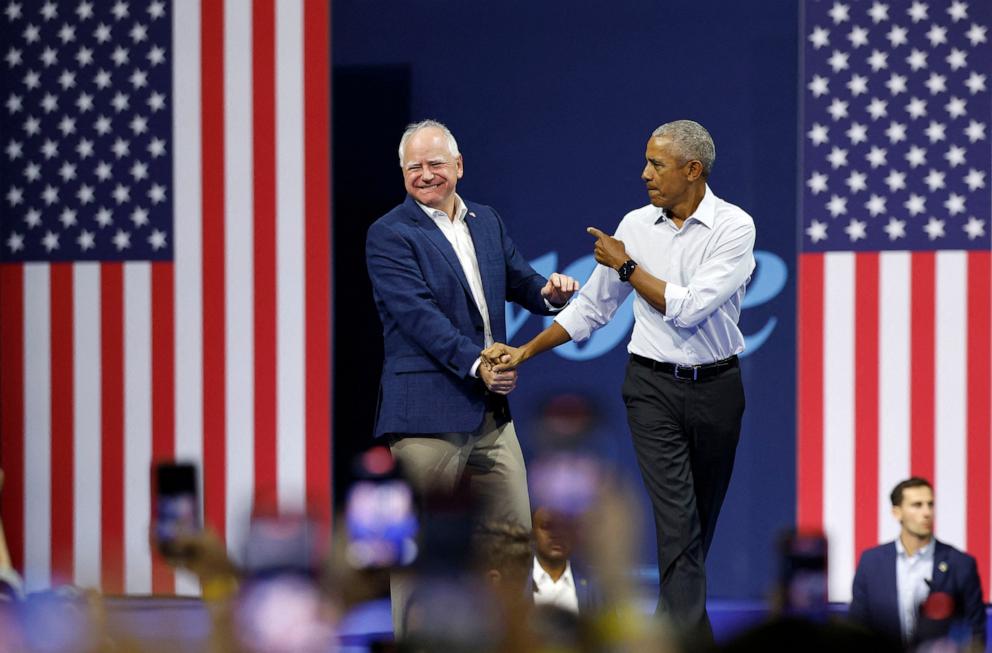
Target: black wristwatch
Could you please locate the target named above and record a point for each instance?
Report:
(627, 269)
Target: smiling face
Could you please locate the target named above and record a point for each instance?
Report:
(667, 177)
(430, 171)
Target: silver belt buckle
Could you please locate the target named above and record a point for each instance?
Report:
(691, 377)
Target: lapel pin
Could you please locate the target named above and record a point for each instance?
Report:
(942, 566)
(472, 213)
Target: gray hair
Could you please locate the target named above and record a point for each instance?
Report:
(415, 127)
(691, 141)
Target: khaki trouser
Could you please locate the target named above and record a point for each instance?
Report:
(491, 458)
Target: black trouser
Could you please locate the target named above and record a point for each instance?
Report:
(685, 436)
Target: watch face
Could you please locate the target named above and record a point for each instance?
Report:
(626, 270)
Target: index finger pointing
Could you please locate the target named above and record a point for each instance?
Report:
(595, 232)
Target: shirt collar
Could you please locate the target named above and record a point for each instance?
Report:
(705, 213)
(460, 210)
(540, 575)
(923, 553)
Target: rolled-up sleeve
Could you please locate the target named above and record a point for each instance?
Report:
(724, 271)
(594, 305)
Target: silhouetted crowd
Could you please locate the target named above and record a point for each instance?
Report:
(490, 586)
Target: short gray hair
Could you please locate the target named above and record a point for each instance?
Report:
(415, 127)
(691, 141)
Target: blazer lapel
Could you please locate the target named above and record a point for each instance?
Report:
(437, 238)
(941, 567)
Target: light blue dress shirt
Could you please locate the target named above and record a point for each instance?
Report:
(913, 575)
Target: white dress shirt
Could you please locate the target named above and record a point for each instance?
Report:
(457, 233)
(559, 593)
(706, 264)
(913, 574)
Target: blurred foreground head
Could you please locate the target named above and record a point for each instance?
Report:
(503, 553)
(794, 634)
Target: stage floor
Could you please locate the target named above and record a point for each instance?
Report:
(161, 619)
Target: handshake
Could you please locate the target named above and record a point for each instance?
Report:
(498, 369)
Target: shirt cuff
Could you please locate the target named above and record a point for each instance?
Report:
(553, 308)
(475, 367)
(674, 298)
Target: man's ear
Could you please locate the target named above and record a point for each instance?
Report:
(460, 166)
(695, 170)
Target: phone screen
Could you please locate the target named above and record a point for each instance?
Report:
(804, 572)
(382, 524)
(177, 507)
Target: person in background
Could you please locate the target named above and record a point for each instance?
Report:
(556, 581)
(917, 587)
(479, 605)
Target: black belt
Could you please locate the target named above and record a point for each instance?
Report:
(687, 372)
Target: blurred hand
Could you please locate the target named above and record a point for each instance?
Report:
(608, 250)
(202, 553)
(501, 357)
(502, 382)
(559, 289)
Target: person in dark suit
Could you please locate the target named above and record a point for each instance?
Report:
(917, 587)
(441, 270)
(555, 580)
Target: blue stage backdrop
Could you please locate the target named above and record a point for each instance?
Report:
(552, 103)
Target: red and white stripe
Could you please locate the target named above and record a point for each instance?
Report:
(895, 379)
(221, 357)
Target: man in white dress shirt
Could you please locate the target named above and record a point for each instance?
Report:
(554, 582)
(688, 255)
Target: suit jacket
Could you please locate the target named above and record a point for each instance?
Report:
(875, 598)
(588, 592)
(432, 329)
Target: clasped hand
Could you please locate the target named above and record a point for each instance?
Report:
(502, 358)
(501, 381)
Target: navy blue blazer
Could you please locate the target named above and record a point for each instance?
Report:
(432, 329)
(590, 598)
(875, 599)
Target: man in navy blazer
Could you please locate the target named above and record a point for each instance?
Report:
(441, 270)
(917, 587)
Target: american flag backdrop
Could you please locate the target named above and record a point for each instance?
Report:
(894, 362)
(164, 272)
